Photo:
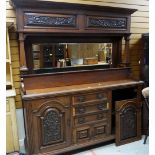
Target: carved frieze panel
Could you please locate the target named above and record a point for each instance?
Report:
(128, 123)
(52, 20)
(52, 127)
(106, 22)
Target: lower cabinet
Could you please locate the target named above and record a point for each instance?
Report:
(128, 121)
(60, 124)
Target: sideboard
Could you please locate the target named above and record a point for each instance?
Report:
(67, 117)
(71, 107)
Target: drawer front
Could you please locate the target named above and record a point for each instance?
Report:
(7, 105)
(101, 130)
(82, 134)
(92, 106)
(90, 118)
(87, 133)
(89, 97)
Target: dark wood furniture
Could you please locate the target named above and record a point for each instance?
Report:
(75, 107)
(61, 117)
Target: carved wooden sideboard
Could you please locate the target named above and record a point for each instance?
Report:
(74, 107)
(64, 118)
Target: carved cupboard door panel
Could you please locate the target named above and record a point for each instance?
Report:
(128, 121)
(52, 126)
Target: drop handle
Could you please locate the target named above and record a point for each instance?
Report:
(81, 120)
(100, 106)
(81, 98)
(81, 109)
(99, 96)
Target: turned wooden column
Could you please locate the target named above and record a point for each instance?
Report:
(22, 57)
(127, 52)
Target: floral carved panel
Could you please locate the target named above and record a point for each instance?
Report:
(52, 127)
(50, 20)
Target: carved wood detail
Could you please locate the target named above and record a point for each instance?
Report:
(100, 130)
(83, 134)
(49, 20)
(128, 123)
(120, 23)
(51, 127)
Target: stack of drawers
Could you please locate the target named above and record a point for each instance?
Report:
(91, 115)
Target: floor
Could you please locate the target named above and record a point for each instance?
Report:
(134, 148)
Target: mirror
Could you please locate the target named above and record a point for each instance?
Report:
(62, 55)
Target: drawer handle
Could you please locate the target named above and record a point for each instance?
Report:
(99, 96)
(81, 98)
(81, 109)
(81, 120)
(100, 106)
(99, 116)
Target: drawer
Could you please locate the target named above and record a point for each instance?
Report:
(101, 130)
(80, 120)
(82, 134)
(7, 105)
(86, 133)
(89, 97)
(92, 106)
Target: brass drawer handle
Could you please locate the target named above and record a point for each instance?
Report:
(99, 96)
(81, 120)
(81, 109)
(81, 98)
(99, 116)
(100, 106)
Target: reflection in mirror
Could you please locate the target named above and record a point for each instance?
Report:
(58, 55)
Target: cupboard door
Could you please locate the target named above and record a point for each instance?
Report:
(52, 126)
(128, 121)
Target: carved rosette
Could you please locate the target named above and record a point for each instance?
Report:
(40, 20)
(128, 123)
(107, 23)
(51, 125)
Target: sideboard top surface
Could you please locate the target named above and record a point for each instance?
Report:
(64, 90)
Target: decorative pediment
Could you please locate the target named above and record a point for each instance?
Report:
(37, 16)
